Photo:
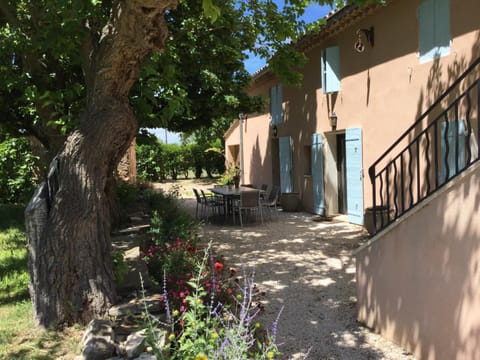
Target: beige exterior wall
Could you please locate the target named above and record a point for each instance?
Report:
(383, 91)
(418, 284)
(256, 151)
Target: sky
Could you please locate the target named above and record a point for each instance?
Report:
(252, 64)
(313, 13)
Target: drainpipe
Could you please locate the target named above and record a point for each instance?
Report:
(241, 117)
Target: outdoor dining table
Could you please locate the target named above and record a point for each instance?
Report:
(230, 193)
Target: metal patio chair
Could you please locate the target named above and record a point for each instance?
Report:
(212, 203)
(270, 203)
(248, 203)
(200, 203)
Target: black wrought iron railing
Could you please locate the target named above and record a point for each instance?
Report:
(440, 145)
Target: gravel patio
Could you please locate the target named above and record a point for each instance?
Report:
(305, 267)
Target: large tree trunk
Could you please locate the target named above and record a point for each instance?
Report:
(68, 221)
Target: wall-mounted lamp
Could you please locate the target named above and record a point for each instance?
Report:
(333, 120)
(274, 130)
(369, 36)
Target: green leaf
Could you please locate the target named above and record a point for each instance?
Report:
(211, 10)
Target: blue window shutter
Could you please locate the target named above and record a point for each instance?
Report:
(273, 107)
(279, 104)
(276, 104)
(451, 136)
(286, 168)
(330, 68)
(434, 29)
(426, 26)
(317, 175)
(442, 26)
(354, 170)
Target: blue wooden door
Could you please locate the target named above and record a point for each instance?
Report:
(354, 175)
(456, 146)
(286, 180)
(317, 175)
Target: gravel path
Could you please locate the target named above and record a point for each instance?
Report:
(305, 267)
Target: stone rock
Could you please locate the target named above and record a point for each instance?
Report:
(136, 229)
(146, 356)
(98, 341)
(124, 310)
(137, 306)
(135, 344)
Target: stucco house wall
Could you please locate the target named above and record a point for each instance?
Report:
(383, 90)
(418, 284)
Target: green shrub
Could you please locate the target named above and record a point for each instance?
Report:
(120, 267)
(149, 162)
(169, 220)
(17, 171)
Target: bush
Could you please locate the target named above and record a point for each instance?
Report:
(17, 171)
(173, 160)
(149, 166)
(169, 220)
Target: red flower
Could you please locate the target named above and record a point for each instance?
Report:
(218, 266)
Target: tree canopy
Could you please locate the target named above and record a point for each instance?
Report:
(200, 75)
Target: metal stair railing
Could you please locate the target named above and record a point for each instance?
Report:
(440, 145)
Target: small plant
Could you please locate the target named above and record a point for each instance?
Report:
(207, 328)
(169, 219)
(120, 267)
(231, 175)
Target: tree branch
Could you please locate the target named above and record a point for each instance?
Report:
(135, 29)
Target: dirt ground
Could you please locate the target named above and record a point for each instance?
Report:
(306, 268)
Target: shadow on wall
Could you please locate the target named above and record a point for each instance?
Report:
(418, 164)
(418, 284)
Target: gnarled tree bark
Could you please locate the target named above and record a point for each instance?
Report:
(68, 222)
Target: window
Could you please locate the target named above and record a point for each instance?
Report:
(434, 29)
(330, 68)
(454, 159)
(276, 104)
